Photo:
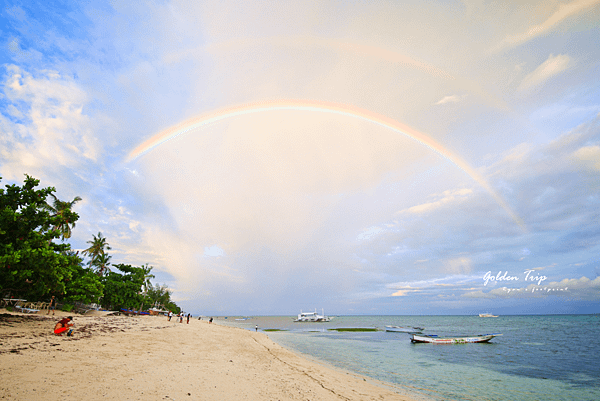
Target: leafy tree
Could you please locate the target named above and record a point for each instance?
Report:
(101, 264)
(147, 276)
(62, 210)
(31, 264)
(123, 290)
(160, 297)
(85, 285)
(97, 249)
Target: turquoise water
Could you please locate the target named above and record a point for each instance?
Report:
(544, 357)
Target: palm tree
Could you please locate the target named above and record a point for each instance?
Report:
(62, 210)
(97, 250)
(101, 263)
(147, 277)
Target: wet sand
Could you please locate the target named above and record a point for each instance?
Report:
(150, 358)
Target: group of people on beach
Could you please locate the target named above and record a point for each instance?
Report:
(64, 325)
(181, 315)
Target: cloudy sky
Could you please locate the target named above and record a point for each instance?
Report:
(361, 157)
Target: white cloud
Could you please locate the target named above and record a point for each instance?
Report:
(213, 251)
(369, 233)
(553, 66)
(45, 124)
(447, 197)
(589, 157)
(449, 99)
(564, 11)
(456, 281)
(460, 265)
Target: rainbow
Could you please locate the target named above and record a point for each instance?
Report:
(320, 107)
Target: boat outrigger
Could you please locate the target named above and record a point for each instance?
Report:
(312, 317)
(434, 339)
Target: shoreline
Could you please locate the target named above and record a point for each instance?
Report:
(148, 357)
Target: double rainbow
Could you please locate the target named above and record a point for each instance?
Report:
(320, 107)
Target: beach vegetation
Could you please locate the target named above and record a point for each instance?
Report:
(129, 287)
(123, 287)
(97, 253)
(160, 296)
(66, 218)
(34, 265)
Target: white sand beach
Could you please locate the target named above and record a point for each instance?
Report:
(150, 358)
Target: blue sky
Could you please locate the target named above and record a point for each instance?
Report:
(275, 211)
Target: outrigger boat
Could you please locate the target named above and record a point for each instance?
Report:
(400, 329)
(434, 339)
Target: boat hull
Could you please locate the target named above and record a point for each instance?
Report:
(483, 338)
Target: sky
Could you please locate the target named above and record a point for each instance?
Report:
(386, 158)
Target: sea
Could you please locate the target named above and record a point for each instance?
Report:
(538, 357)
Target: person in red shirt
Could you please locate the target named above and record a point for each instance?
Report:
(63, 325)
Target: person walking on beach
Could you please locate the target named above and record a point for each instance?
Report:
(210, 320)
(256, 328)
(180, 317)
(170, 315)
(63, 325)
(188, 318)
(52, 305)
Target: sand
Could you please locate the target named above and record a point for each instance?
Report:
(150, 358)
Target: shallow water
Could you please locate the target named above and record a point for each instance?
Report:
(543, 357)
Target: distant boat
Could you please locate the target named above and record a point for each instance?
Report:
(405, 329)
(487, 314)
(312, 317)
(434, 339)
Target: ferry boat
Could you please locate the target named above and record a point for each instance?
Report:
(312, 317)
(487, 314)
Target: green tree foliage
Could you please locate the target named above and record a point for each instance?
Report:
(31, 264)
(84, 286)
(62, 210)
(101, 264)
(147, 276)
(123, 290)
(97, 253)
(159, 296)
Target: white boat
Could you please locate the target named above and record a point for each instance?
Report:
(434, 339)
(405, 329)
(487, 314)
(312, 317)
